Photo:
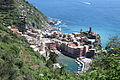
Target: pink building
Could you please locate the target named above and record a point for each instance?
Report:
(51, 46)
(79, 51)
(73, 50)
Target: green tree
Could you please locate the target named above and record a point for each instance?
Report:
(114, 42)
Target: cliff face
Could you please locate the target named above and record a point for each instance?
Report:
(21, 13)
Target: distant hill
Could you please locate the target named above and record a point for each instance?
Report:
(21, 13)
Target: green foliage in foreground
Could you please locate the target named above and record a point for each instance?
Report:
(106, 65)
(19, 62)
(114, 42)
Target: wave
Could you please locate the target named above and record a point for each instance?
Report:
(63, 25)
(87, 3)
(58, 20)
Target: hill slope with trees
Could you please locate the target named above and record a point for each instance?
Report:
(21, 13)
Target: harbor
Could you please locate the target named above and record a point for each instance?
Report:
(71, 46)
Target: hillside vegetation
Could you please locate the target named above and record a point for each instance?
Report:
(21, 13)
(19, 62)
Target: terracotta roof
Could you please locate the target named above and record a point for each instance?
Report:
(15, 30)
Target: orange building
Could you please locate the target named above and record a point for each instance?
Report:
(15, 31)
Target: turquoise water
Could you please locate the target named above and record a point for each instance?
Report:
(102, 15)
(68, 62)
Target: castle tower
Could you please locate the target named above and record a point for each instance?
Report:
(90, 30)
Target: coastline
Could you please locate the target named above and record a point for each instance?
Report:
(68, 63)
(85, 62)
(74, 45)
(82, 62)
(50, 28)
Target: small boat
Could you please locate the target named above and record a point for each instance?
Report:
(87, 3)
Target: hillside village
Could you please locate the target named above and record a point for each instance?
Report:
(74, 44)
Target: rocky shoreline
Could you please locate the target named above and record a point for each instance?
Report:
(52, 22)
(50, 28)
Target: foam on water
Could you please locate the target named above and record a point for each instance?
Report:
(87, 3)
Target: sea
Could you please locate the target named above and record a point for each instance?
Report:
(102, 15)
